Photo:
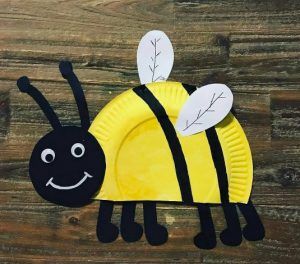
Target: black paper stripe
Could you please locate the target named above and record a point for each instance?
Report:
(216, 153)
(173, 141)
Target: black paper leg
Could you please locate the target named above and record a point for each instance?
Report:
(156, 234)
(106, 231)
(206, 239)
(130, 230)
(232, 235)
(254, 229)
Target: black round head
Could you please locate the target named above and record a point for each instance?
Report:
(67, 166)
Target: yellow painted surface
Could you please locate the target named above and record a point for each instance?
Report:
(139, 161)
(238, 158)
(202, 173)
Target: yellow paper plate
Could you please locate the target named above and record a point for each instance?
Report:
(140, 164)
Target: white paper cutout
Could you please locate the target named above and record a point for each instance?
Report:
(204, 108)
(155, 57)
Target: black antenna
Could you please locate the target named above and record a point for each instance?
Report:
(66, 71)
(24, 86)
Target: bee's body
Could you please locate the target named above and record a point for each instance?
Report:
(140, 162)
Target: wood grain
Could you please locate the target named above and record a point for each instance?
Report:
(252, 46)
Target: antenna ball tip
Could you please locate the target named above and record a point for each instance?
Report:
(65, 68)
(23, 84)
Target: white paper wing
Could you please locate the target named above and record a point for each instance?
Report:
(155, 57)
(205, 107)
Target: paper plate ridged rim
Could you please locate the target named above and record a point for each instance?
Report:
(238, 158)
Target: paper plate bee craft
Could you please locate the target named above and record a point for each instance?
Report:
(159, 142)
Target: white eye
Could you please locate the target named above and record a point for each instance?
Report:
(48, 155)
(77, 150)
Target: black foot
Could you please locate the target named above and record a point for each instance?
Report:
(205, 241)
(157, 235)
(253, 233)
(132, 232)
(107, 233)
(231, 237)
(254, 229)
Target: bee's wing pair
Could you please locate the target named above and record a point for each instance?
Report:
(206, 107)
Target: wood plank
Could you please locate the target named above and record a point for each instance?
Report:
(286, 114)
(237, 16)
(252, 46)
(4, 114)
(239, 46)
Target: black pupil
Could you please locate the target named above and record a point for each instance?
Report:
(78, 151)
(49, 157)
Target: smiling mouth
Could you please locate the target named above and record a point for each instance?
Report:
(86, 175)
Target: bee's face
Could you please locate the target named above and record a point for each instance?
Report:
(67, 166)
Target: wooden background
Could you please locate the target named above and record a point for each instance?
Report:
(252, 46)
